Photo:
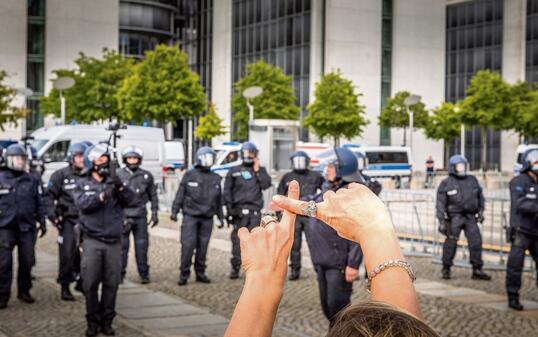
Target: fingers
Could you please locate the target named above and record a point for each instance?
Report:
(243, 234)
(288, 219)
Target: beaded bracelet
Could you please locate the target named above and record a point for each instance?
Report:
(391, 263)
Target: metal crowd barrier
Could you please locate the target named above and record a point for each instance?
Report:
(413, 214)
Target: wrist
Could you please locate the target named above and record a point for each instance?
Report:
(264, 287)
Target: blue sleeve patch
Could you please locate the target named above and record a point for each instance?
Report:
(519, 189)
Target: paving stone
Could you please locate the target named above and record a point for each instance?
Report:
(160, 311)
(134, 300)
(503, 305)
(181, 321)
(207, 331)
(452, 292)
(484, 298)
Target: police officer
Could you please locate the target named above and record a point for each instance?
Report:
(523, 231)
(243, 197)
(21, 206)
(142, 183)
(100, 198)
(64, 215)
(199, 196)
(460, 205)
(335, 259)
(310, 182)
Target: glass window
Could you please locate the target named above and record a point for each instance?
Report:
(57, 152)
(35, 76)
(36, 8)
(36, 39)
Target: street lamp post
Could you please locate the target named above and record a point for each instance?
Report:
(409, 101)
(462, 133)
(26, 92)
(63, 83)
(250, 93)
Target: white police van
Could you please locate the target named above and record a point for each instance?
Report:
(384, 162)
(228, 155)
(52, 143)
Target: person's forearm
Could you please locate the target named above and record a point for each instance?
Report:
(256, 309)
(393, 285)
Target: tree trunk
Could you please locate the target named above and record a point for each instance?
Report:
(336, 141)
(447, 153)
(484, 138)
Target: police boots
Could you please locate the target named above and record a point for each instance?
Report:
(478, 274)
(92, 330)
(202, 278)
(294, 275)
(25, 297)
(513, 303)
(66, 293)
(234, 273)
(445, 273)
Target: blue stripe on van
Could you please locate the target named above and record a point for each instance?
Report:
(389, 167)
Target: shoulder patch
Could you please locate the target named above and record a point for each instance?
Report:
(452, 192)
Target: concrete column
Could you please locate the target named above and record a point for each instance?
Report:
(221, 82)
(13, 54)
(513, 68)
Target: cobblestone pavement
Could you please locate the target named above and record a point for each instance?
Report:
(299, 313)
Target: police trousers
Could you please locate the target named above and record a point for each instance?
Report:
(195, 235)
(249, 220)
(100, 266)
(139, 229)
(516, 258)
(69, 253)
(9, 238)
(467, 224)
(334, 290)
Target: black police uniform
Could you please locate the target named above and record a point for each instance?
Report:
(243, 198)
(21, 206)
(143, 185)
(330, 255)
(102, 228)
(461, 199)
(524, 224)
(199, 196)
(63, 211)
(310, 182)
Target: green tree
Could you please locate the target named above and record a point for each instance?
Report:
(487, 105)
(524, 108)
(93, 97)
(210, 125)
(276, 102)
(162, 87)
(336, 111)
(8, 112)
(444, 124)
(396, 115)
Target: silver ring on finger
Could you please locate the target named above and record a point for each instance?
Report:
(266, 220)
(310, 209)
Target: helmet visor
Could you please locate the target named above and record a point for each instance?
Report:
(206, 159)
(532, 157)
(299, 163)
(460, 168)
(17, 163)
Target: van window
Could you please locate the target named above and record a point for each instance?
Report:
(387, 157)
(231, 157)
(57, 152)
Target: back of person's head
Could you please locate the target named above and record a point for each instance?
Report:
(378, 319)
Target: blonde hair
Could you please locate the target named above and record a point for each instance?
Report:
(378, 319)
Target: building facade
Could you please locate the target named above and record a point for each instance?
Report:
(428, 47)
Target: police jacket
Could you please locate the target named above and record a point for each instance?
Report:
(459, 196)
(309, 181)
(143, 186)
(199, 194)
(60, 190)
(243, 187)
(101, 220)
(327, 249)
(524, 204)
(21, 202)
